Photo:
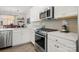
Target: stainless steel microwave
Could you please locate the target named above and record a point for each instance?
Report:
(49, 13)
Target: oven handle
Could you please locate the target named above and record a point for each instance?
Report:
(39, 35)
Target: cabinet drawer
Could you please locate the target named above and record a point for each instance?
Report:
(51, 47)
(65, 42)
(63, 48)
(57, 47)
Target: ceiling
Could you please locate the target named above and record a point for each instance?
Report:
(14, 10)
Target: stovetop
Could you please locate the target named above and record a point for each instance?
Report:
(44, 31)
(47, 29)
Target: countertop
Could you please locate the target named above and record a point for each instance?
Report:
(2, 29)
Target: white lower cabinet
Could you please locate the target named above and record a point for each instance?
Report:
(21, 36)
(32, 35)
(17, 37)
(51, 47)
(28, 35)
(25, 36)
(55, 47)
(60, 44)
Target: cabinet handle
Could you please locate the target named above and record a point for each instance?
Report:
(56, 40)
(57, 46)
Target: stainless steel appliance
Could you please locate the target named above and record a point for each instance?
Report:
(65, 29)
(5, 38)
(41, 38)
(47, 13)
(77, 45)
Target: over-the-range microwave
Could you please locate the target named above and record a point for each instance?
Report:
(48, 13)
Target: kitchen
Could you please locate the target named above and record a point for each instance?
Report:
(39, 29)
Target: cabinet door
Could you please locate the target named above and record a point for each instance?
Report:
(62, 11)
(17, 37)
(51, 46)
(32, 33)
(72, 10)
(28, 35)
(25, 35)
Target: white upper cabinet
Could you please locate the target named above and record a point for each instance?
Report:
(35, 11)
(62, 11)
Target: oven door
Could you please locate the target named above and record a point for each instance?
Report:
(40, 40)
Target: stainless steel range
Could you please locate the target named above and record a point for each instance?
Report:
(41, 38)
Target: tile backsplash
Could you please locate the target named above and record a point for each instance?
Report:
(56, 24)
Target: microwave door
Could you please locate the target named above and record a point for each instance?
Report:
(48, 13)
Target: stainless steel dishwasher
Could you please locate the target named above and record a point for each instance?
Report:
(5, 38)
